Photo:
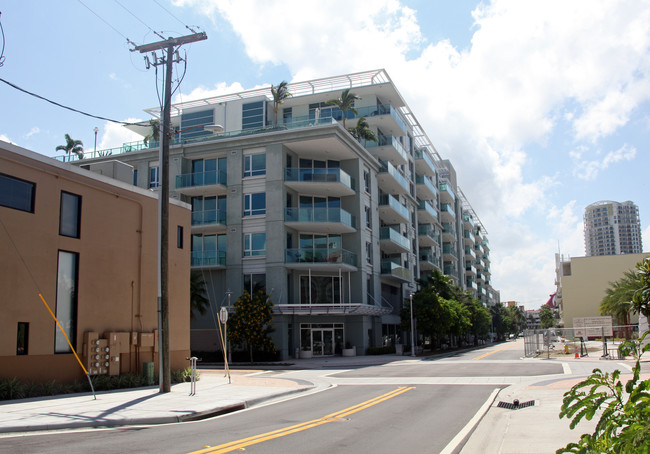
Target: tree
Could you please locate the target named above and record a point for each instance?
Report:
(624, 409)
(480, 319)
(546, 317)
(641, 298)
(518, 318)
(155, 132)
(345, 103)
(198, 300)
(501, 322)
(279, 93)
(362, 131)
(72, 146)
(618, 297)
(251, 322)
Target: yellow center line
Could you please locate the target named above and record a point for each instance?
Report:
(239, 444)
(494, 351)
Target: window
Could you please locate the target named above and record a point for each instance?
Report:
(208, 250)
(287, 115)
(254, 165)
(22, 342)
(154, 174)
(192, 123)
(255, 204)
(135, 177)
(252, 115)
(366, 181)
(70, 215)
(179, 237)
(320, 290)
(368, 217)
(254, 244)
(16, 193)
(66, 300)
(254, 283)
(369, 252)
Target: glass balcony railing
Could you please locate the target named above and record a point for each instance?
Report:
(392, 202)
(428, 256)
(426, 206)
(394, 269)
(383, 141)
(470, 252)
(423, 154)
(382, 109)
(450, 270)
(449, 230)
(420, 179)
(321, 255)
(310, 175)
(468, 219)
(387, 233)
(446, 189)
(208, 217)
(210, 177)
(447, 208)
(316, 215)
(208, 258)
(427, 230)
(387, 167)
(448, 248)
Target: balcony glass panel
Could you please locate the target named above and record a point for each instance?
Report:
(426, 206)
(211, 177)
(427, 230)
(420, 179)
(319, 215)
(382, 109)
(387, 167)
(389, 200)
(449, 229)
(321, 255)
(332, 175)
(421, 153)
(383, 141)
(448, 248)
(447, 207)
(388, 267)
(208, 258)
(387, 233)
(446, 188)
(206, 217)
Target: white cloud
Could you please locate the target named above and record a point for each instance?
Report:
(5, 138)
(115, 135)
(202, 92)
(589, 169)
(645, 238)
(33, 131)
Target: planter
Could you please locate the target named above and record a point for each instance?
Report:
(305, 354)
(399, 349)
(352, 351)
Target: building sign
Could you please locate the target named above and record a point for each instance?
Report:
(592, 326)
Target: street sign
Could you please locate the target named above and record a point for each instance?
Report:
(223, 315)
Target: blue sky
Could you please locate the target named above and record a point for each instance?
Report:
(542, 106)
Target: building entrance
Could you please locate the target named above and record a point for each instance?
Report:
(322, 342)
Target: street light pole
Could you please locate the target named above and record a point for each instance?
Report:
(412, 334)
(95, 129)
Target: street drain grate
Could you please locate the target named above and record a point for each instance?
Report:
(515, 405)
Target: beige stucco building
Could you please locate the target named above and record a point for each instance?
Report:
(88, 244)
(583, 281)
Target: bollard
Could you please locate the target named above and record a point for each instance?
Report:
(147, 370)
(192, 361)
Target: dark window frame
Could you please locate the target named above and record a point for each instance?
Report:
(77, 233)
(22, 339)
(4, 199)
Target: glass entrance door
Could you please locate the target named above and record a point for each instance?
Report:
(322, 342)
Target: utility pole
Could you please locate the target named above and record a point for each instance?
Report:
(164, 371)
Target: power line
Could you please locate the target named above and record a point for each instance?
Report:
(104, 21)
(170, 13)
(66, 107)
(2, 52)
(141, 21)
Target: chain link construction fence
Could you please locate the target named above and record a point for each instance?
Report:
(598, 342)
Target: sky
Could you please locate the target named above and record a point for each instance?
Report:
(541, 106)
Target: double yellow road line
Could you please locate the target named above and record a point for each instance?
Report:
(239, 444)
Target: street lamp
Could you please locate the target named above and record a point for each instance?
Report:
(412, 335)
(96, 130)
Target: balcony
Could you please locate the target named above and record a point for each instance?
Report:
(447, 213)
(424, 163)
(428, 235)
(450, 270)
(332, 182)
(208, 259)
(428, 259)
(486, 244)
(470, 256)
(446, 194)
(391, 181)
(320, 220)
(470, 269)
(209, 221)
(387, 148)
(192, 184)
(426, 190)
(478, 264)
(391, 211)
(321, 259)
(393, 242)
(427, 213)
(393, 271)
(468, 222)
(449, 233)
(449, 252)
(468, 238)
(384, 117)
(471, 284)
(480, 277)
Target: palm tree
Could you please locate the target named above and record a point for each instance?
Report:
(72, 146)
(198, 300)
(279, 93)
(618, 297)
(345, 103)
(155, 132)
(362, 131)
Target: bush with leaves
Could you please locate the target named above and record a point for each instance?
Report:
(250, 324)
(624, 409)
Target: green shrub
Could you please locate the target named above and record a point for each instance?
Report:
(387, 350)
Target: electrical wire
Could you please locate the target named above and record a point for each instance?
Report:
(141, 21)
(2, 52)
(169, 12)
(66, 107)
(104, 21)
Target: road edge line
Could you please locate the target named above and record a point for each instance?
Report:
(455, 442)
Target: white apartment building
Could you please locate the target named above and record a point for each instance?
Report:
(337, 230)
(612, 228)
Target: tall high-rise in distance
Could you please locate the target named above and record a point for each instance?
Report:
(612, 228)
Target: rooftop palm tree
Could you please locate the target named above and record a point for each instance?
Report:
(155, 132)
(345, 103)
(72, 146)
(363, 132)
(279, 93)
